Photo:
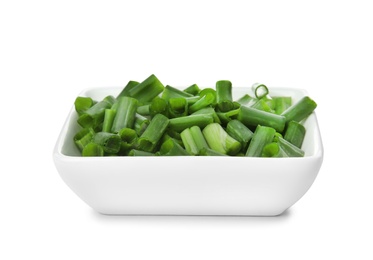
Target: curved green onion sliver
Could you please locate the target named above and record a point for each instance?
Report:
(260, 90)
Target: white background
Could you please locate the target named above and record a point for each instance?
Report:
(51, 50)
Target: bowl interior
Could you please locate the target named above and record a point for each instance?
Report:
(312, 144)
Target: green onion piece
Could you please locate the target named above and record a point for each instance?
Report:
(218, 140)
(224, 95)
(208, 111)
(178, 124)
(144, 110)
(83, 137)
(261, 104)
(273, 150)
(126, 90)
(281, 104)
(158, 106)
(247, 100)
(262, 136)
(141, 123)
(193, 140)
(295, 133)
(93, 149)
(203, 102)
(252, 117)
(192, 100)
(260, 90)
(147, 90)
(240, 132)
(300, 110)
(82, 104)
(177, 107)
(209, 152)
(125, 115)
(94, 116)
(290, 149)
(172, 148)
(135, 152)
(153, 133)
(110, 142)
(128, 135)
(204, 91)
(171, 92)
(108, 120)
(193, 89)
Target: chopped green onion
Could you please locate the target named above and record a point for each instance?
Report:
(203, 102)
(83, 137)
(158, 106)
(295, 133)
(147, 90)
(218, 140)
(178, 124)
(224, 95)
(135, 152)
(193, 140)
(94, 116)
(252, 117)
(108, 120)
(281, 104)
(290, 149)
(239, 132)
(126, 90)
(153, 133)
(300, 110)
(82, 104)
(262, 136)
(177, 107)
(110, 142)
(260, 90)
(93, 149)
(141, 123)
(172, 148)
(246, 100)
(125, 115)
(273, 150)
(171, 92)
(193, 89)
(210, 152)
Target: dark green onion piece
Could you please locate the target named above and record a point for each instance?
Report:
(135, 152)
(300, 110)
(126, 90)
(290, 149)
(110, 142)
(193, 89)
(108, 120)
(129, 138)
(295, 133)
(218, 140)
(82, 104)
(260, 90)
(93, 149)
(281, 104)
(153, 133)
(177, 107)
(192, 100)
(224, 95)
(273, 150)
(252, 117)
(172, 148)
(141, 123)
(262, 136)
(240, 132)
(125, 115)
(203, 102)
(83, 137)
(94, 116)
(147, 90)
(158, 106)
(209, 152)
(171, 92)
(178, 124)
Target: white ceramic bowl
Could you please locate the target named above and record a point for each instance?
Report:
(189, 185)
